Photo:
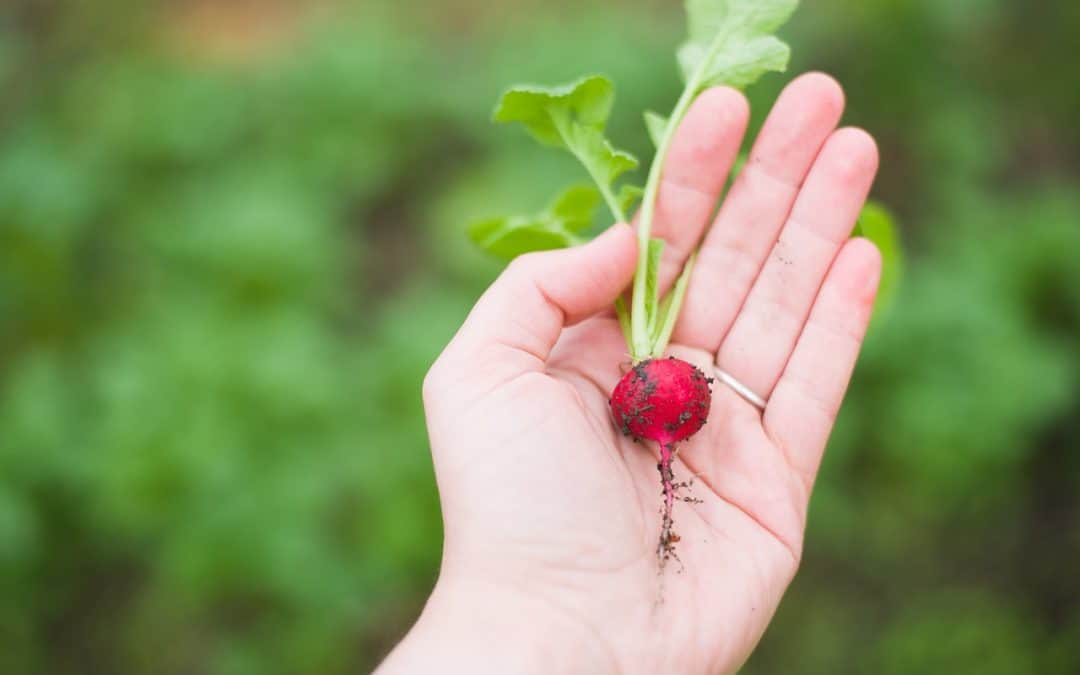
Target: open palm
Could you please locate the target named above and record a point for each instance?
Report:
(551, 515)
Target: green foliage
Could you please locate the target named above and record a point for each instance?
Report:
(628, 196)
(573, 117)
(656, 124)
(877, 224)
(549, 112)
(558, 226)
(960, 632)
(731, 41)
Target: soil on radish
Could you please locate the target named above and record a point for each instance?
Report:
(667, 401)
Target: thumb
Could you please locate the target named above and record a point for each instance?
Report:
(523, 313)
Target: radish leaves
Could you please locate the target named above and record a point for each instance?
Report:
(558, 226)
(876, 223)
(573, 117)
(656, 124)
(730, 42)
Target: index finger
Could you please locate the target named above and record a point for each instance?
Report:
(701, 155)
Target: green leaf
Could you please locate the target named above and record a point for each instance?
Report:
(657, 125)
(878, 225)
(731, 41)
(652, 284)
(509, 237)
(604, 163)
(574, 208)
(629, 195)
(557, 226)
(573, 116)
(586, 102)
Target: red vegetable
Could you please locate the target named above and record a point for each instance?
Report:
(667, 401)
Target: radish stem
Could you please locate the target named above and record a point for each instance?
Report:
(641, 344)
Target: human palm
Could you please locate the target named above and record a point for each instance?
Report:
(551, 514)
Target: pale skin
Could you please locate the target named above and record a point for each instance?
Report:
(551, 516)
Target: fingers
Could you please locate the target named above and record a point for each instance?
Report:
(757, 206)
(697, 165)
(804, 405)
(761, 340)
(516, 322)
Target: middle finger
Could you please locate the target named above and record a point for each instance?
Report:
(756, 207)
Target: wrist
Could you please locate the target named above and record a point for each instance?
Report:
(482, 627)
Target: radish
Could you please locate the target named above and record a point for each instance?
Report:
(667, 401)
(662, 400)
(731, 43)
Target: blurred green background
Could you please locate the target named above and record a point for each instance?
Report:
(232, 241)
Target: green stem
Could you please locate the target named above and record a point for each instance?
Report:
(671, 314)
(641, 344)
(624, 318)
(612, 202)
(562, 124)
(605, 189)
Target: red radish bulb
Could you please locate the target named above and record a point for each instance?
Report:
(667, 401)
(662, 400)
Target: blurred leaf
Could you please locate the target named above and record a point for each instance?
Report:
(629, 195)
(511, 236)
(575, 207)
(877, 224)
(960, 632)
(558, 226)
(656, 125)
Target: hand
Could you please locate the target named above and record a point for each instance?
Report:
(552, 517)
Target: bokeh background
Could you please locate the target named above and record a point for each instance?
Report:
(232, 241)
